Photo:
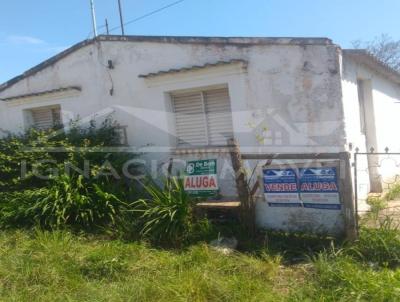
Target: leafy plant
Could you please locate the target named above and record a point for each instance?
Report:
(68, 201)
(26, 155)
(377, 205)
(167, 214)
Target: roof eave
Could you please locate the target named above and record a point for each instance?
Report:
(364, 57)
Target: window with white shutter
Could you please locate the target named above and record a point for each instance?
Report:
(203, 117)
(45, 117)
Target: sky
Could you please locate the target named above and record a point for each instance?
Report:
(34, 30)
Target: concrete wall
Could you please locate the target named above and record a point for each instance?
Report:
(291, 89)
(288, 99)
(381, 106)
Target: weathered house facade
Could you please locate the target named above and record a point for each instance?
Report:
(179, 96)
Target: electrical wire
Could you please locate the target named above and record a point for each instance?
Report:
(149, 14)
(141, 17)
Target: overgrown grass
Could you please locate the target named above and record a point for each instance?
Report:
(377, 247)
(366, 270)
(58, 266)
(341, 278)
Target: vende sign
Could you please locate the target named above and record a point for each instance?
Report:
(315, 187)
(201, 178)
(281, 187)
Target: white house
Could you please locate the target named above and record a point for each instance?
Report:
(181, 95)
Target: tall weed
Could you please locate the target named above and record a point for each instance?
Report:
(166, 215)
(378, 246)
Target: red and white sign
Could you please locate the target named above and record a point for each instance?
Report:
(201, 182)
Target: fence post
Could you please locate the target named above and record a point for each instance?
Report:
(347, 197)
(247, 206)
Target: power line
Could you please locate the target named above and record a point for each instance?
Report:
(143, 16)
(149, 14)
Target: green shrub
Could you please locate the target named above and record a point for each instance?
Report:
(63, 197)
(22, 154)
(14, 159)
(167, 214)
(67, 202)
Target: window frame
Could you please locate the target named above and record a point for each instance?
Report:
(29, 116)
(201, 91)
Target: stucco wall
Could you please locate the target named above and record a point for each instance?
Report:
(290, 95)
(292, 89)
(385, 108)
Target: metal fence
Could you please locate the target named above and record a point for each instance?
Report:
(376, 182)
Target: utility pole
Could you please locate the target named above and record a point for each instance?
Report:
(93, 18)
(121, 18)
(107, 29)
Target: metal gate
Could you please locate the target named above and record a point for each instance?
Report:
(376, 175)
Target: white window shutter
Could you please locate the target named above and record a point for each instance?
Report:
(219, 116)
(46, 118)
(203, 118)
(190, 119)
(42, 118)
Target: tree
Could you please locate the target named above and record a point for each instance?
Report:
(384, 47)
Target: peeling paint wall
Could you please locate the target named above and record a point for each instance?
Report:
(291, 89)
(288, 100)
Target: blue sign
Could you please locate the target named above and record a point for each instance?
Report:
(319, 188)
(280, 181)
(318, 180)
(281, 187)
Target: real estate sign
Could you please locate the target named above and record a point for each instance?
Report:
(281, 187)
(315, 187)
(201, 178)
(319, 188)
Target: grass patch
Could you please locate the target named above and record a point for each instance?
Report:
(393, 193)
(340, 278)
(44, 266)
(377, 247)
(58, 266)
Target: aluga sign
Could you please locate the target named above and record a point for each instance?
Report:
(201, 178)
